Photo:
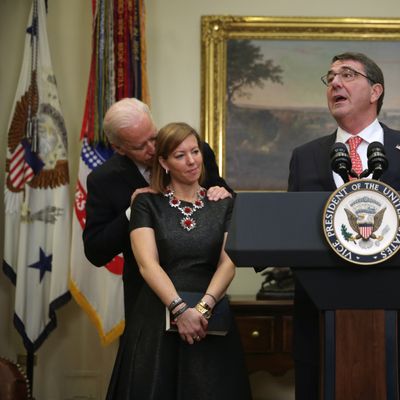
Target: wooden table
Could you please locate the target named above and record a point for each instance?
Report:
(265, 327)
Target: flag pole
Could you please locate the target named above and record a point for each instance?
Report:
(30, 358)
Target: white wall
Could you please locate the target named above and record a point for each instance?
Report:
(72, 357)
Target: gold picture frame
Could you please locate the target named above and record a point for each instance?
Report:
(217, 31)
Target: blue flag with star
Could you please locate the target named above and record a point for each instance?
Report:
(37, 221)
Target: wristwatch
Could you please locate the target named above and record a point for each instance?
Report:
(204, 309)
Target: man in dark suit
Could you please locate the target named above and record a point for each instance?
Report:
(355, 90)
(111, 188)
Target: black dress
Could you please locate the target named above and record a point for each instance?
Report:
(153, 364)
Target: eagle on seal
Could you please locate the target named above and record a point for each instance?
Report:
(365, 224)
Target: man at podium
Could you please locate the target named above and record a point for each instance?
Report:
(354, 90)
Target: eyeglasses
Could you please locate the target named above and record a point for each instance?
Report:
(346, 75)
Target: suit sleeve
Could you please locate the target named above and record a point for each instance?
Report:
(212, 173)
(106, 232)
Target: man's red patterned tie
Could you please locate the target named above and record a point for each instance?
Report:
(353, 143)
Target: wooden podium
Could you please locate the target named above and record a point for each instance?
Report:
(358, 304)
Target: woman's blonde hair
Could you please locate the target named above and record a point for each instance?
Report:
(168, 139)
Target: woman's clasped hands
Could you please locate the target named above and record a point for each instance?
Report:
(192, 326)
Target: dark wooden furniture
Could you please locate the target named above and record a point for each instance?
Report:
(265, 327)
(13, 382)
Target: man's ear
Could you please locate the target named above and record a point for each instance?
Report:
(118, 149)
(376, 92)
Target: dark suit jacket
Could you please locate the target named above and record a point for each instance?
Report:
(106, 234)
(310, 170)
(310, 166)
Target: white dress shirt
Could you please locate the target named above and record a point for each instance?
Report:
(372, 133)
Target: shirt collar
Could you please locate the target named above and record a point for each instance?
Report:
(372, 133)
(144, 170)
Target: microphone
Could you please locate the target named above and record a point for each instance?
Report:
(341, 161)
(377, 160)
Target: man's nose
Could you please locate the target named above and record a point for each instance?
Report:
(151, 147)
(336, 81)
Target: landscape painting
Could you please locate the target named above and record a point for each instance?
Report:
(274, 100)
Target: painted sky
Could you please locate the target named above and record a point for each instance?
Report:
(304, 62)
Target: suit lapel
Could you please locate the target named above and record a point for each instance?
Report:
(323, 162)
(391, 139)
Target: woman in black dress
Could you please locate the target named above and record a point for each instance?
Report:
(178, 239)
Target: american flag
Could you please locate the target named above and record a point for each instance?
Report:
(24, 165)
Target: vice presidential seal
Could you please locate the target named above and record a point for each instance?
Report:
(361, 221)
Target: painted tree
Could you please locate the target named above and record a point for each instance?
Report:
(248, 69)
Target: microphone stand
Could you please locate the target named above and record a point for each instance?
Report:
(376, 173)
(354, 174)
(365, 173)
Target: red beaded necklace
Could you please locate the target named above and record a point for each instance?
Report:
(187, 222)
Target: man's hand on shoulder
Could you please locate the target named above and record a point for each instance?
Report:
(216, 193)
(141, 190)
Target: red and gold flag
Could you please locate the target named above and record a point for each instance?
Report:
(118, 70)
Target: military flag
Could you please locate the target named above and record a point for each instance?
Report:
(118, 70)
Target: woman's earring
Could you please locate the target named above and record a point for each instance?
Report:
(166, 171)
